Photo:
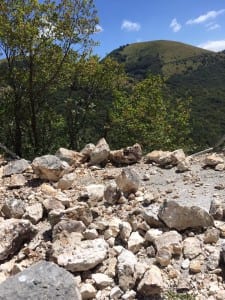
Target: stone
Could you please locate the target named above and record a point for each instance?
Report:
(87, 291)
(158, 156)
(125, 269)
(220, 167)
(217, 209)
(115, 293)
(44, 280)
(47, 189)
(128, 181)
(94, 192)
(87, 150)
(102, 280)
(68, 226)
(16, 167)
(34, 213)
(185, 263)
(112, 193)
(152, 234)
(195, 266)
(170, 240)
(151, 283)
(129, 295)
(50, 167)
(16, 181)
(125, 230)
(211, 235)
(221, 226)
(90, 234)
(66, 182)
(13, 208)
(184, 165)
(70, 156)
(150, 215)
(191, 247)
(220, 295)
(163, 256)
(126, 156)
(78, 256)
(51, 203)
(213, 259)
(135, 242)
(213, 160)
(183, 217)
(100, 154)
(13, 233)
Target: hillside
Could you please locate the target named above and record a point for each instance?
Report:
(190, 71)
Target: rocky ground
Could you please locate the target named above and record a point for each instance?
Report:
(103, 224)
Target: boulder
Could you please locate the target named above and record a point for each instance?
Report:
(112, 193)
(150, 215)
(126, 156)
(183, 217)
(16, 167)
(151, 283)
(13, 208)
(165, 158)
(87, 150)
(70, 156)
(76, 256)
(213, 160)
(44, 280)
(100, 154)
(34, 213)
(16, 181)
(13, 233)
(66, 182)
(128, 181)
(93, 192)
(49, 167)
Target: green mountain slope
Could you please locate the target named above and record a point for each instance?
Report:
(190, 71)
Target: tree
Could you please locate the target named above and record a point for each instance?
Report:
(146, 116)
(40, 42)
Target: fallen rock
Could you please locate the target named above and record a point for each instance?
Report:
(16, 167)
(126, 156)
(213, 160)
(34, 213)
(51, 203)
(100, 154)
(128, 181)
(87, 150)
(44, 280)
(183, 217)
(135, 242)
(191, 247)
(151, 283)
(13, 233)
(211, 235)
(49, 167)
(112, 193)
(68, 226)
(13, 208)
(102, 280)
(170, 240)
(93, 192)
(150, 215)
(79, 256)
(16, 181)
(71, 157)
(217, 209)
(87, 291)
(66, 182)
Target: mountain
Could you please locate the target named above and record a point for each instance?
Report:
(190, 71)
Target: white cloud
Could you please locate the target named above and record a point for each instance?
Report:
(213, 45)
(175, 25)
(213, 26)
(210, 15)
(130, 26)
(98, 28)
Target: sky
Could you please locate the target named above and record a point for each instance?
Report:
(196, 22)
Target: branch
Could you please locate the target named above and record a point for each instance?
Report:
(10, 153)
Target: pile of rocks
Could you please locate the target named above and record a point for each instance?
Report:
(100, 224)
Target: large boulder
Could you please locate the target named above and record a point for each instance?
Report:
(127, 156)
(183, 217)
(100, 153)
(165, 158)
(49, 167)
(70, 156)
(13, 233)
(44, 280)
(16, 167)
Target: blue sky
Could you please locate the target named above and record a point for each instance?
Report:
(196, 22)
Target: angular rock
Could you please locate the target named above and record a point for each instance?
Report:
(183, 217)
(213, 160)
(51, 203)
(70, 156)
(184, 165)
(87, 150)
(164, 256)
(13, 233)
(125, 231)
(125, 269)
(191, 247)
(16, 167)
(66, 182)
(170, 240)
(135, 242)
(112, 193)
(100, 153)
(165, 158)
(49, 167)
(128, 181)
(87, 291)
(44, 280)
(34, 213)
(152, 234)
(213, 259)
(13, 208)
(195, 266)
(80, 256)
(102, 280)
(151, 283)
(16, 181)
(94, 192)
(217, 209)
(150, 215)
(68, 226)
(211, 235)
(127, 156)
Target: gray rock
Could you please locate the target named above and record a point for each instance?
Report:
(69, 226)
(150, 214)
(217, 209)
(79, 256)
(13, 233)
(112, 193)
(183, 217)
(44, 280)
(49, 167)
(16, 167)
(128, 181)
(87, 150)
(13, 208)
(100, 153)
